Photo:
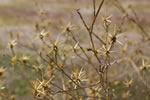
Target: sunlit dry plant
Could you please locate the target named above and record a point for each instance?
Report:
(128, 83)
(144, 66)
(106, 21)
(24, 59)
(78, 76)
(114, 37)
(42, 35)
(65, 68)
(12, 44)
(69, 28)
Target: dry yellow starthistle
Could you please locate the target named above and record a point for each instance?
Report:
(105, 50)
(113, 38)
(40, 88)
(42, 35)
(128, 83)
(45, 84)
(144, 66)
(55, 48)
(37, 89)
(56, 45)
(25, 59)
(106, 21)
(70, 28)
(12, 44)
(78, 76)
(35, 86)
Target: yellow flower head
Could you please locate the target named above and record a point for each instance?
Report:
(42, 35)
(25, 59)
(12, 43)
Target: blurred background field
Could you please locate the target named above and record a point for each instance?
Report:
(19, 18)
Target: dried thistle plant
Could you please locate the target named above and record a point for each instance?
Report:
(64, 68)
